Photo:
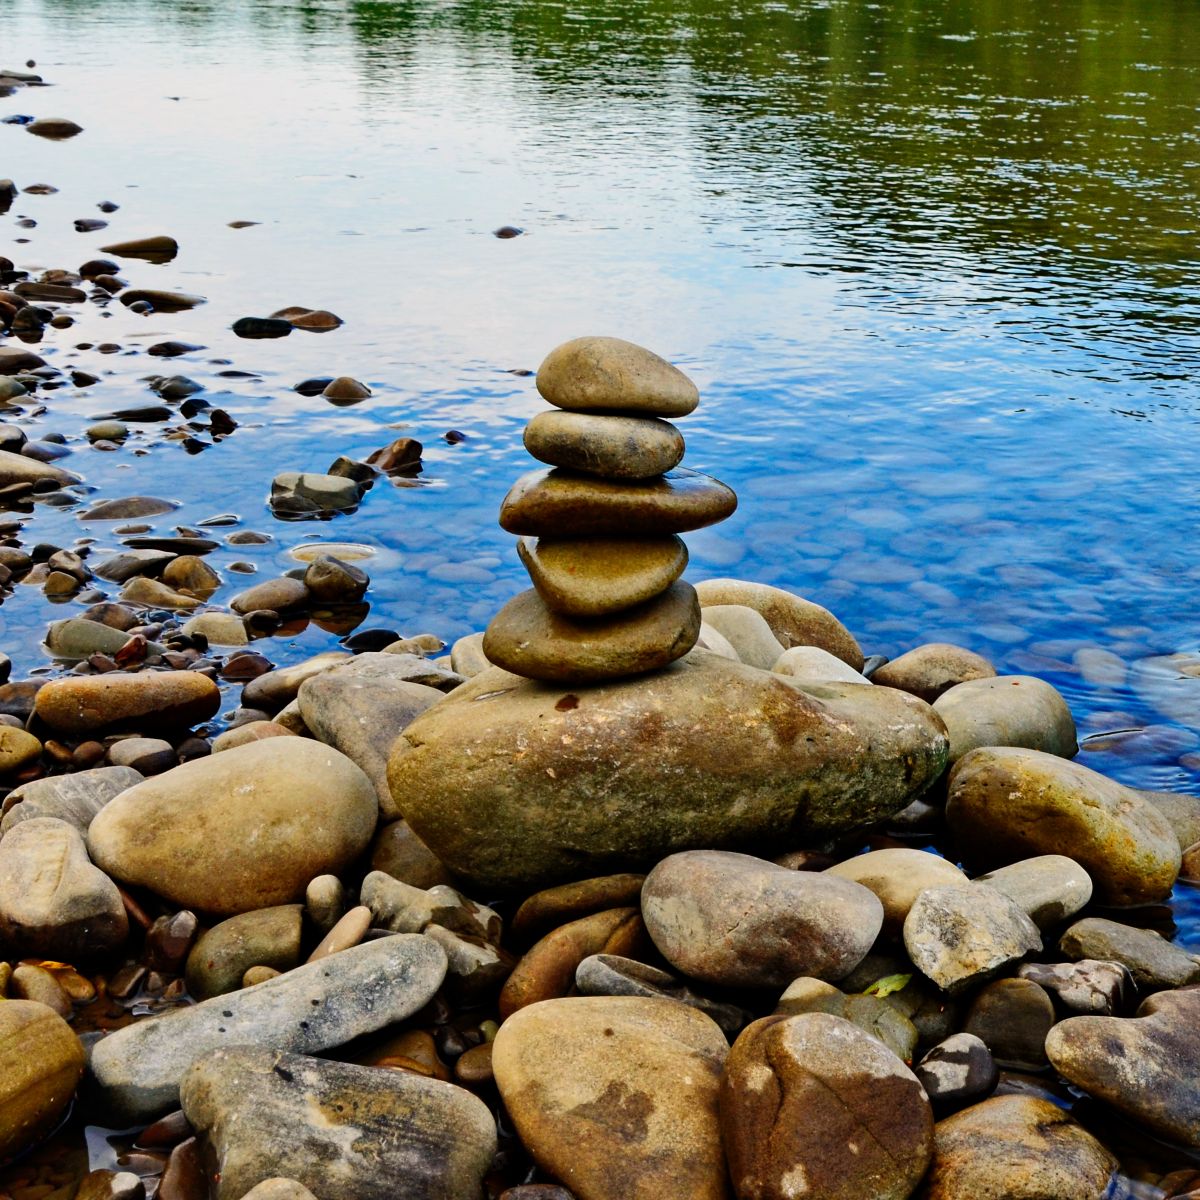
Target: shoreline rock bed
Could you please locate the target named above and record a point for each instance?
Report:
(416, 926)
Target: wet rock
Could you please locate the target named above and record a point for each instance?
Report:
(610, 446)
(595, 576)
(956, 1070)
(314, 1007)
(315, 320)
(959, 935)
(172, 349)
(111, 1185)
(344, 390)
(739, 921)
(870, 1013)
(529, 639)
(1016, 1148)
(1050, 888)
(332, 581)
(602, 786)
(813, 1105)
(362, 715)
(932, 669)
(53, 902)
(1182, 814)
(41, 1061)
(1009, 710)
(218, 629)
(605, 374)
(747, 632)
(15, 359)
(1088, 987)
(294, 492)
(128, 563)
(402, 908)
(261, 327)
(1153, 962)
(279, 1189)
(1006, 804)
(268, 937)
(56, 128)
(150, 593)
(1144, 1066)
(398, 455)
(168, 302)
(278, 595)
(793, 620)
(1012, 1017)
(75, 799)
(244, 829)
(24, 469)
(467, 657)
(341, 1130)
(897, 876)
(158, 249)
(616, 1096)
(191, 575)
(82, 704)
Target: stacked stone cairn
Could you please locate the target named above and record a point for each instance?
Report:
(600, 524)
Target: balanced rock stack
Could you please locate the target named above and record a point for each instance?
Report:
(600, 524)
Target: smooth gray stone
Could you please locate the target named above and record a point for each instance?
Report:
(345, 1132)
(1050, 887)
(128, 563)
(75, 799)
(1153, 962)
(77, 638)
(959, 1069)
(315, 1007)
(1090, 987)
(612, 975)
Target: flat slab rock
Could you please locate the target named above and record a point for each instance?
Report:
(315, 1007)
(355, 1133)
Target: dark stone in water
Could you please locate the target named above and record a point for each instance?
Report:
(313, 387)
(89, 224)
(369, 641)
(507, 231)
(173, 545)
(172, 349)
(144, 412)
(261, 327)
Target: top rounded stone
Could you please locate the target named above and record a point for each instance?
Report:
(606, 374)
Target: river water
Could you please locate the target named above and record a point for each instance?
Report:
(932, 264)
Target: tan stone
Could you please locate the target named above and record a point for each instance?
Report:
(1015, 1148)
(558, 503)
(153, 594)
(527, 638)
(813, 1105)
(145, 699)
(609, 373)
(192, 575)
(53, 902)
(746, 630)
(616, 1096)
(398, 852)
(240, 830)
(517, 784)
(41, 1061)
(611, 446)
(811, 664)
(1006, 804)
(927, 671)
(593, 576)
(793, 620)
(897, 875)
(1008, 710)
(263, 937)
(879, 1018)
(252, 731)
(17, 749)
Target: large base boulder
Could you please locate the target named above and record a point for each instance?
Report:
(519, 784)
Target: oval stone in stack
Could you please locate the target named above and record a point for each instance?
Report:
(616, 446)
(561, 503)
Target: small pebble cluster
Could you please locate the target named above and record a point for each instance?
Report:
(601, 526)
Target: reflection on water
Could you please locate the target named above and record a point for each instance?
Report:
(933, 265)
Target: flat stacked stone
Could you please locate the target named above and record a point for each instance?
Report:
(600, 525)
